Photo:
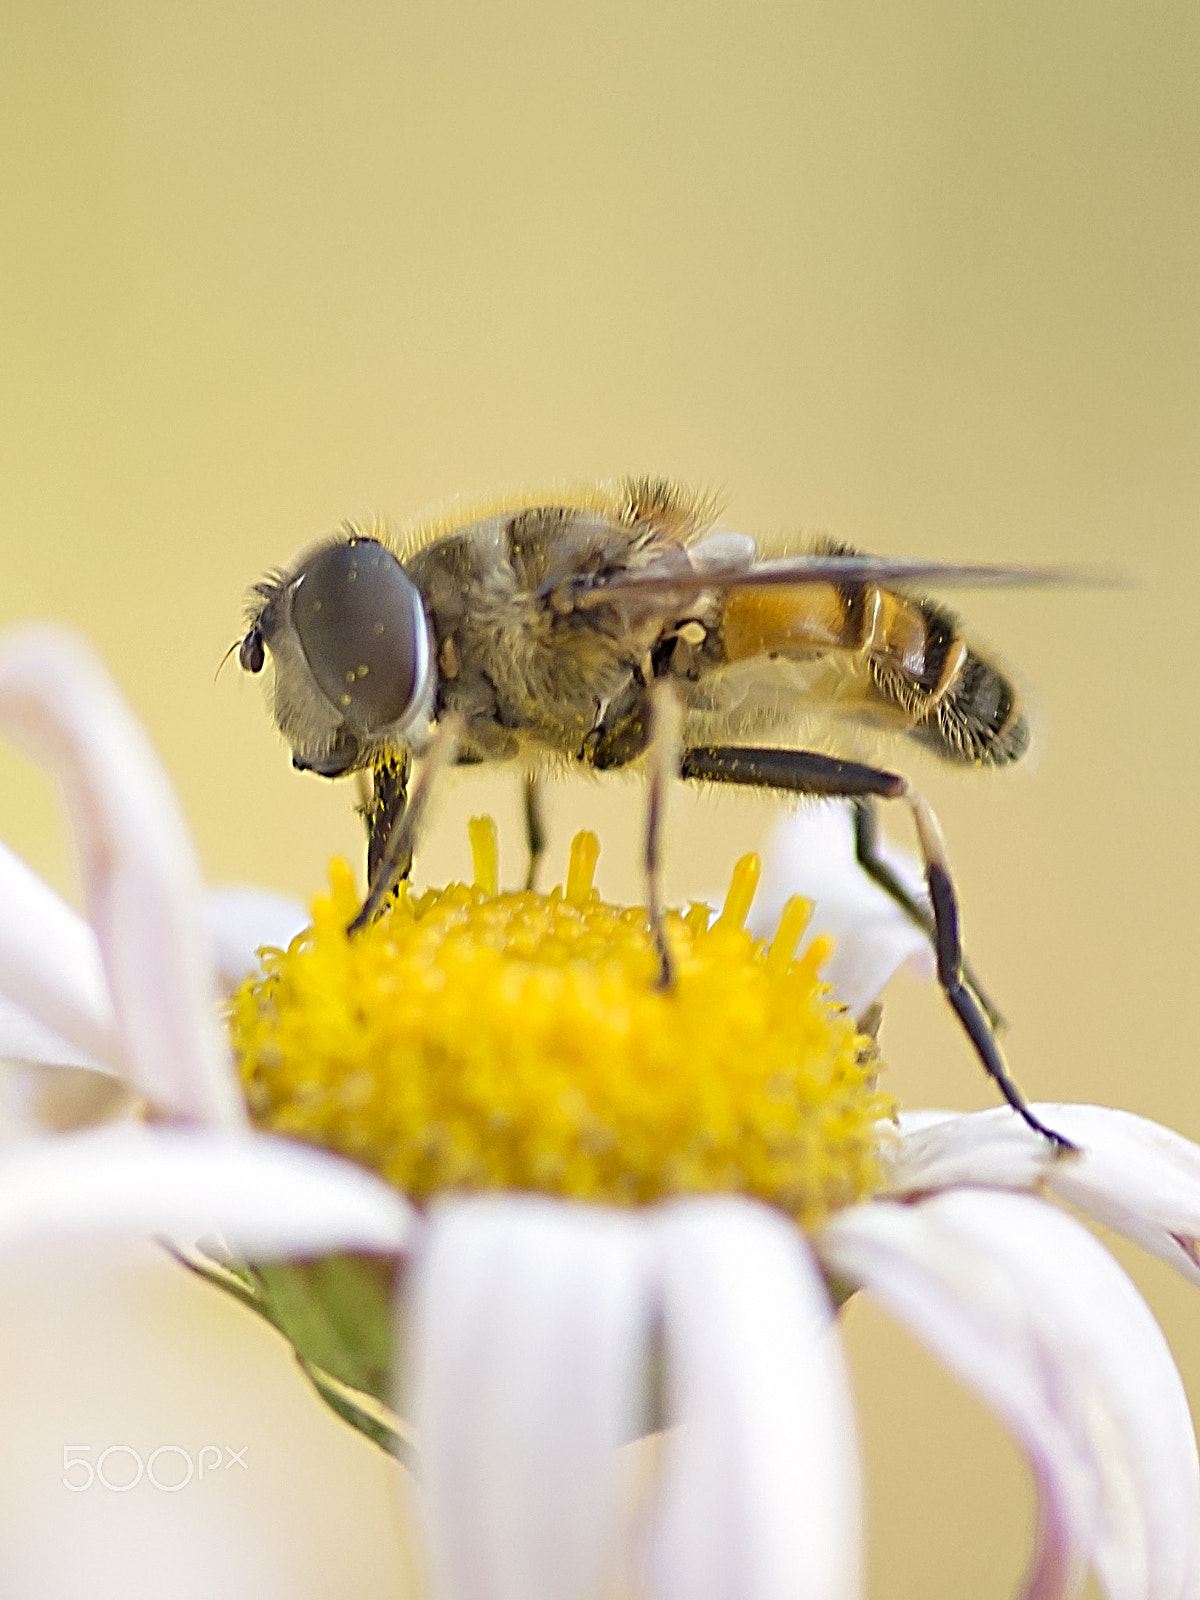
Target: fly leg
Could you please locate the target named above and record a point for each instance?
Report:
(806, 772)
(664, 761)
(535, 828)
(866, 850)
(394, 860)
(382, 809)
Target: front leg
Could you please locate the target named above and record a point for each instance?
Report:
(384, 809)
(396, 851)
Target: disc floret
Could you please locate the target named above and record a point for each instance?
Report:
(476, 1040)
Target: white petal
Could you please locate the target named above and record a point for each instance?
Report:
(1137, 1177)
(242, 920)
(36, 1099)
(528, 1335)
(812, 854)
(50, 963)
(25, 1040)
(1026, 1307)
(268, 1197)
(1133, 1175)
(760, 1497)
(139, 873)
(924, 1117)
(983, 1149)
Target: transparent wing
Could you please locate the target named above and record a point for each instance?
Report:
(665, 583)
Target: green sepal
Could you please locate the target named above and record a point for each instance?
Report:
(336, 1313)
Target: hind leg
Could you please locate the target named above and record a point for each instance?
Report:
(806, 772)
(866, 850)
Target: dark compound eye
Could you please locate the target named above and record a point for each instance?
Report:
(361, 625)
(250, 652)
(340, 759)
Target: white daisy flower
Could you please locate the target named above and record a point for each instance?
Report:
(711, 1163)
(131, 992)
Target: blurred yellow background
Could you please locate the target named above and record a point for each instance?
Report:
(920, 275)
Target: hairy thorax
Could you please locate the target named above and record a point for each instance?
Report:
(528, 675)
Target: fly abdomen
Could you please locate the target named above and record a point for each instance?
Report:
(979, 720)
(964, 708)
(911, 655)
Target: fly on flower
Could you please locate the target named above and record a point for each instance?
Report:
(616, 625)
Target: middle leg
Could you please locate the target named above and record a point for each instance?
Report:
(535, 827)
(663, 750)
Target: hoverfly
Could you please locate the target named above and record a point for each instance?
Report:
(549, 631)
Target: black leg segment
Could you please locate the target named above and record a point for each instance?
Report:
(385, 808)
(866, 850)
(948, 948)
(394, 859)
(796, 771)
(535, 828)
(665, 760)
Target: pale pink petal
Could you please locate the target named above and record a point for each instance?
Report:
(528, 1332)
(268, 1197)
(242, 920)
(139, 873)
(50, 963)
(812, 854)
(1029, 1310)
(1133, 1175)
(760, 1494)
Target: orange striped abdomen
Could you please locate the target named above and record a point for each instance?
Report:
(955, 701)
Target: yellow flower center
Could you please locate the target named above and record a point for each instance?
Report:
(473, 1040)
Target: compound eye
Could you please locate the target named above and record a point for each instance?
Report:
(341, 758)
(250, 652)
(361, 625)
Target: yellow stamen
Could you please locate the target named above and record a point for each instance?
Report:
(818, 953)
(741, 893)
(796, 915)
(470, 1039)
(485, 853)
(581, 869)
